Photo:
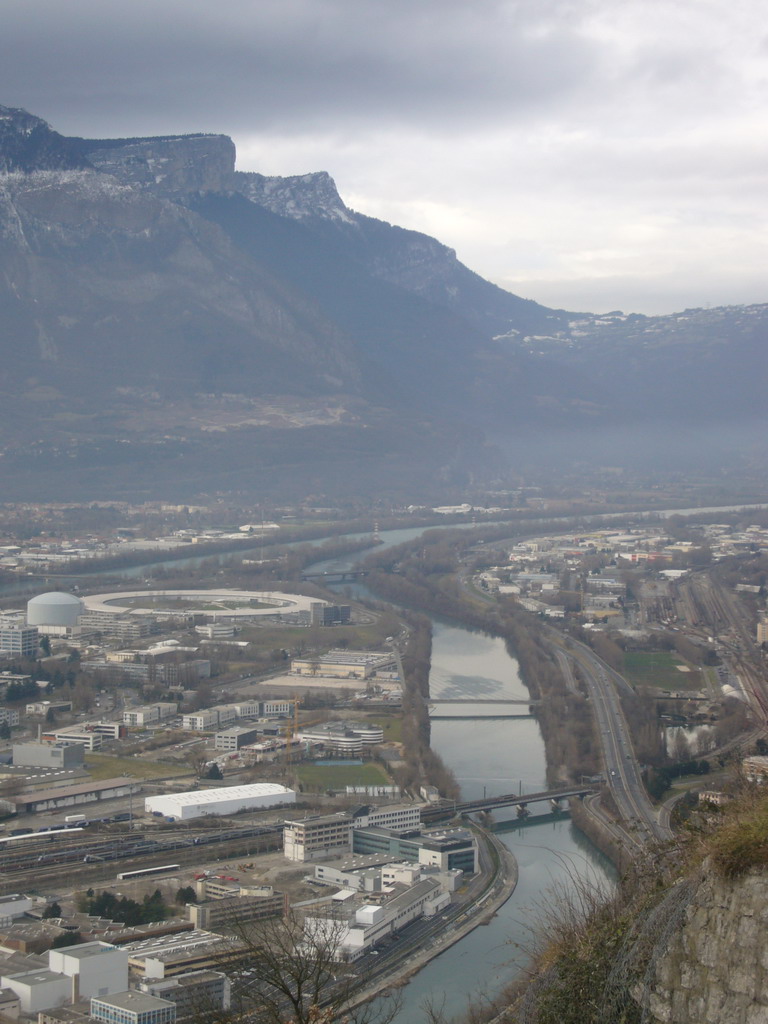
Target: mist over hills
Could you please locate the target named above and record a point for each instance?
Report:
(171, 326)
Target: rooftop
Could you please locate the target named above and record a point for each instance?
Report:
(141, 1002)
(88, 949)
(168, 947)
(211, 796)
(34, 978)
(320, 819)
(65, 791)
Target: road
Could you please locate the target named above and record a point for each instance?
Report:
(622, 772)
(639, 822)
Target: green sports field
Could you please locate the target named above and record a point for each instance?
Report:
(321, 777)
(659, 669)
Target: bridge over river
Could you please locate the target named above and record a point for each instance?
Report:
(336, 576)
(470, 707)
(520, 800)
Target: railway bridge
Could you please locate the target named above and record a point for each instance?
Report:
(519, 800)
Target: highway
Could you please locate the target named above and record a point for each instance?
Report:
(622, 772)
(640, 824)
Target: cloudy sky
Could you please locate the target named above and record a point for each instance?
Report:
(590, 154)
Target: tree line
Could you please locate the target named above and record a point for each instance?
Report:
(424, 575)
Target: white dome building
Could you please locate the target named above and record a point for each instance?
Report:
(55, 613)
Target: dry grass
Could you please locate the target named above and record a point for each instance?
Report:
(104, 766)
(741, 842)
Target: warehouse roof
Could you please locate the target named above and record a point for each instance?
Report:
(63, 792)
(212, 796)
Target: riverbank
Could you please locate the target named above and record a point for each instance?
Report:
(497, 889)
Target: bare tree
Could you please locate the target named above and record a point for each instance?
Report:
(681, 748)
(292, 974)
(197, 759)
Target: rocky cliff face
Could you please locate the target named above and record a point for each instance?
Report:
(299, 196)
(171, 166)
(106, 282)
(714, 969)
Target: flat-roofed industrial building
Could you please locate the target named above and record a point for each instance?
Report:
(222, 800)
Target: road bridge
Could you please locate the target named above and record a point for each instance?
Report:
(340, 576)
(519, 800)
(485, 708)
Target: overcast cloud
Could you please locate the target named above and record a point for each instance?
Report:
(591, 154)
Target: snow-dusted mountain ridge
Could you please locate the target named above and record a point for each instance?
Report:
(138, 274)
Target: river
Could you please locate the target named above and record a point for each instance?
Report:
(492, 757)
(496, 756)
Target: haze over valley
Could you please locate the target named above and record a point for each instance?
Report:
(170, 322)
(384, 512)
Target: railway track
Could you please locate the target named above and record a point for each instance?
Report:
(95, 858)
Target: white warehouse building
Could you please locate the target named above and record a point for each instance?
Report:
(223, 800)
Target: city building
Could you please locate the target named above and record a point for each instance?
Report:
(118, 625)
(38, 989)
(370, 923)
(42, 707)
(73, 796)
(96, 968)
(12, 906)
(393, 816)
(201, 720)
(247, 709)
(369, 874)
(133, 1007)
(343, 664)
(216, 630)
(274, 709)
(48, 755)
(170, 955)
(196, 994)
(348, 738)
(87, 738)
(74, 973)
(322, 614)
(222, 800)
(235, 737)
(448, 849)
(210, 718)
(18, 640)
(90, 734)
(7, 678)
(320, 836)
(225, 714)
(149, 713)
(217, 913)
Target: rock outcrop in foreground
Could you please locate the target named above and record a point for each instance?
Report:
(680, 942)
(715, 966)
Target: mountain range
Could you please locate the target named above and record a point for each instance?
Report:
(171, 326)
